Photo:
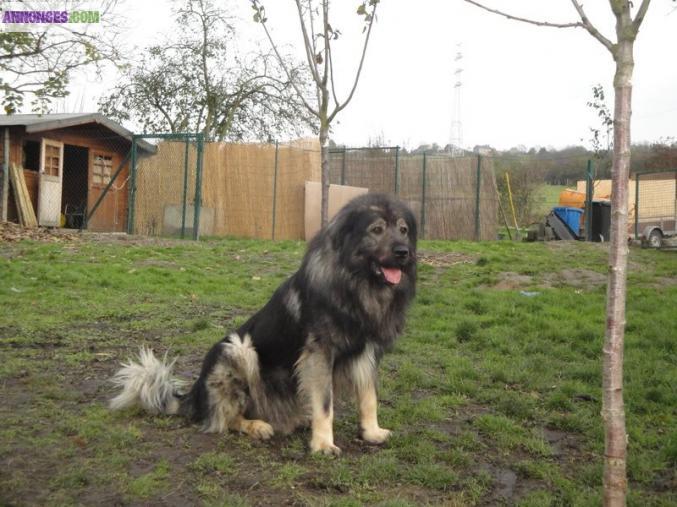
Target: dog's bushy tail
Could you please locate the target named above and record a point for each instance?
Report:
(147, 382)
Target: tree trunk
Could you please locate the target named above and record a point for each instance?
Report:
(613, 411)
(324, 145)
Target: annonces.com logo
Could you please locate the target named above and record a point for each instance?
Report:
(27, 16)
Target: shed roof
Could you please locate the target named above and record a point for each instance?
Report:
(42, 122)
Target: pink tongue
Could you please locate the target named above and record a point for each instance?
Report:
(393, 275)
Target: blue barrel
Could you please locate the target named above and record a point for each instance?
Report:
(571, 217)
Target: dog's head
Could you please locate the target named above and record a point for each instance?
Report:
(375, 236)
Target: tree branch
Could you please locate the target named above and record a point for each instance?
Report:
(312, 25)
(286, 70)
(331, 79)
(525, 20)
(639, 17)
(591, 28)
(308, 45)
(327, 40)
(359, 68)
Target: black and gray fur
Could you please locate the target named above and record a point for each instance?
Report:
(327, 325)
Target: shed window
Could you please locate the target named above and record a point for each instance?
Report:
(31, 155)
(52, 160)
(102, 169)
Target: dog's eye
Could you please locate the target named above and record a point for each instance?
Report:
(378, 230)
(404, 230)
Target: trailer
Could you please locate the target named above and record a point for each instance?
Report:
(652, 205)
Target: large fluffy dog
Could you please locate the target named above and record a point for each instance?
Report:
(326, 326)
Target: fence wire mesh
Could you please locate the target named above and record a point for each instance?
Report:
(530, 186)
(247, 190)
(452, 197)
(163, 201)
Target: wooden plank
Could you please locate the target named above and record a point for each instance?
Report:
(22, 198)
(30, 212)
(21, 184)
(25, 203)
(18, 196)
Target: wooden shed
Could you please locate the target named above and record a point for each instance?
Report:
(68, 160)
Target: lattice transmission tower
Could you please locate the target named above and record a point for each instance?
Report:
(456, 136)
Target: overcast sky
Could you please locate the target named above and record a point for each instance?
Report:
(522, 84)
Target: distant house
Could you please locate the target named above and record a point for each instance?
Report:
(68, 160)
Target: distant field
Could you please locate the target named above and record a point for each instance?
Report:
(493, 392)
(546, 197)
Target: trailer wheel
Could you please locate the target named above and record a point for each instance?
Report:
(655, 239)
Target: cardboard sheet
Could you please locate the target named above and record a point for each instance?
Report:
(339, 195)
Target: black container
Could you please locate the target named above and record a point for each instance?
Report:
(601, 220)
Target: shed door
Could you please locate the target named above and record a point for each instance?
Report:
(51, 179)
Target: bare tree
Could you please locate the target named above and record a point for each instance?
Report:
(613, 411)
(318, 52)
(40, 63)
(197, 81)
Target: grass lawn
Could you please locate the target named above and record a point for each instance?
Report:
(493, 391)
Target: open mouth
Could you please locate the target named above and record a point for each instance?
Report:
(392, 276)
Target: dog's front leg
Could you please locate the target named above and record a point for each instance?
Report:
(315, 371)
(366, 399)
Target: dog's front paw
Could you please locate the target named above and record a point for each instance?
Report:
(324, 447)
(376, 435)
(261, 430)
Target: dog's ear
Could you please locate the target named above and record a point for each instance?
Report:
(413, 226)
(406, 213)
(339, 228)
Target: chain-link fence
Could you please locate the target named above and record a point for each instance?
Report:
(530, 186)
(452, 197)
(258, 190)
(234, 189)
(165, 194)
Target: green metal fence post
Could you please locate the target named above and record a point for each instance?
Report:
(477, 197)
(423, 185)
(198, 187)
(636, 206)
(185, 190)
(132, 188)
(397, 170)
(275, 188)
(343, 167)
(588, 202)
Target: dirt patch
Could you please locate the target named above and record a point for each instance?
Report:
(509, 280)
(444, 259)
(504, 483)
(563, 444)
(579, 278)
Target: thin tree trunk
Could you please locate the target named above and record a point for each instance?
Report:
(324, 146)
(613, 411)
